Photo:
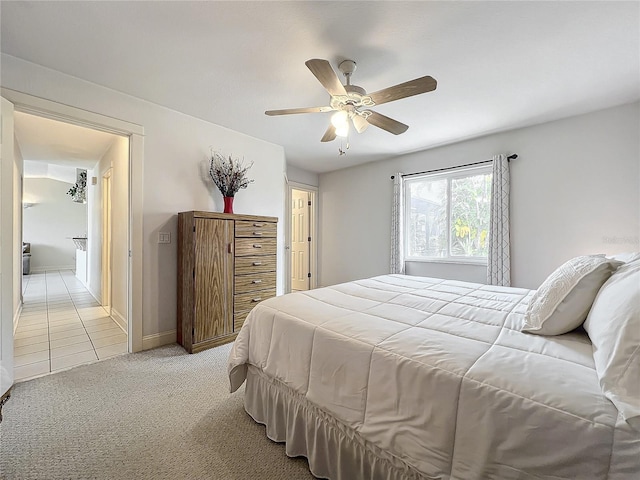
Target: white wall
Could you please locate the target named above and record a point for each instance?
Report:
(176, 149)
(575, 190)
(116, 157)
(450, 271)
(51, 223)
(18, 171)
(94, 233)
(299, 175)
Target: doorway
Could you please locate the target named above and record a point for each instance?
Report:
(131, 192)
(301, 239)
(70, 314)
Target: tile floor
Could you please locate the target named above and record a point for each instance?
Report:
(61, 325)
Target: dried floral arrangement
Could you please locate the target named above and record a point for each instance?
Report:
(228, 174)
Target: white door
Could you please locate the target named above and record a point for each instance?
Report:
(300, 268)
(6, 247)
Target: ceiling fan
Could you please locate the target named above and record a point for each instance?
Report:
(351, 102)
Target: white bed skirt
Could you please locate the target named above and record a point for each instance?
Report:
(333, 451)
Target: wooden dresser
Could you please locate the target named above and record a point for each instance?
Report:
(226, 266)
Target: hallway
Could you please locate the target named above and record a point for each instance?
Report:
(61, 326)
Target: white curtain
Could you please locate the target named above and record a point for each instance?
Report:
(397, 225)
(499, 261)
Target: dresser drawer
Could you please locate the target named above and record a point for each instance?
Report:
(253, 282)
(255, 264)
(256, 229)
(255, 246)
(246, 301)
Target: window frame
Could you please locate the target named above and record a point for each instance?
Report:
(449, 176)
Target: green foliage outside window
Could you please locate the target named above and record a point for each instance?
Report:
(470, 211)
(431, 201)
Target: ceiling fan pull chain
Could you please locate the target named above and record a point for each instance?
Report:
(342, 152)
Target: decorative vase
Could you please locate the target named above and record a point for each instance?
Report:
(228, 205)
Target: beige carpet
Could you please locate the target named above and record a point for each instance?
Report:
(160, 414)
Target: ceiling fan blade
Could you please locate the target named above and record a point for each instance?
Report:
(289, 111)
(386, 123)
(403, 90)
(360, 123)
(326, 76)
(329, 135)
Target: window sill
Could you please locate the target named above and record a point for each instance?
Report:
(455, 261)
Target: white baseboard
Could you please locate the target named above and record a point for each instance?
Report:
(52, 267)
(158, 339)
(16, 317)
(93, 293)
(119, 318)
(86, 285)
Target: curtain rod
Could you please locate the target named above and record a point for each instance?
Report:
(510, 157)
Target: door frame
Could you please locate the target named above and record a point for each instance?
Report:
(7, 251)
(106, 254)
(57, 111)
(313, 233)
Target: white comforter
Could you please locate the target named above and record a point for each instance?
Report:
(437, 373)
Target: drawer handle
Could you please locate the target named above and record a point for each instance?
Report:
(257, 245)
(257, 264)
(257, 234)
(257, 299)
(258, 224)
(256, 281)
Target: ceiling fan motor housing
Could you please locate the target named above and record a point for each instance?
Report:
(355, 93)
(355, 89)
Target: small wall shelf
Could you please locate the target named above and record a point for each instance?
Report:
(81, 243)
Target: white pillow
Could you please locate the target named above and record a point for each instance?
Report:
(613, 325)
(563, 300)
(627, 257)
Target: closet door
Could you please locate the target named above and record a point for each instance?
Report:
(213, 279)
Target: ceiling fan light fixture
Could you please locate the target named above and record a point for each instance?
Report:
(340, 119)
(343, 130)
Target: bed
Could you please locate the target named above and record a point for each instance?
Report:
(402, 377)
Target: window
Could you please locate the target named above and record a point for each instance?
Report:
(447, 216)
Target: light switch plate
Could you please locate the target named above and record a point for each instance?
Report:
(164, 237)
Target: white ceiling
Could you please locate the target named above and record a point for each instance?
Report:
(499, 65)
(55, 149)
